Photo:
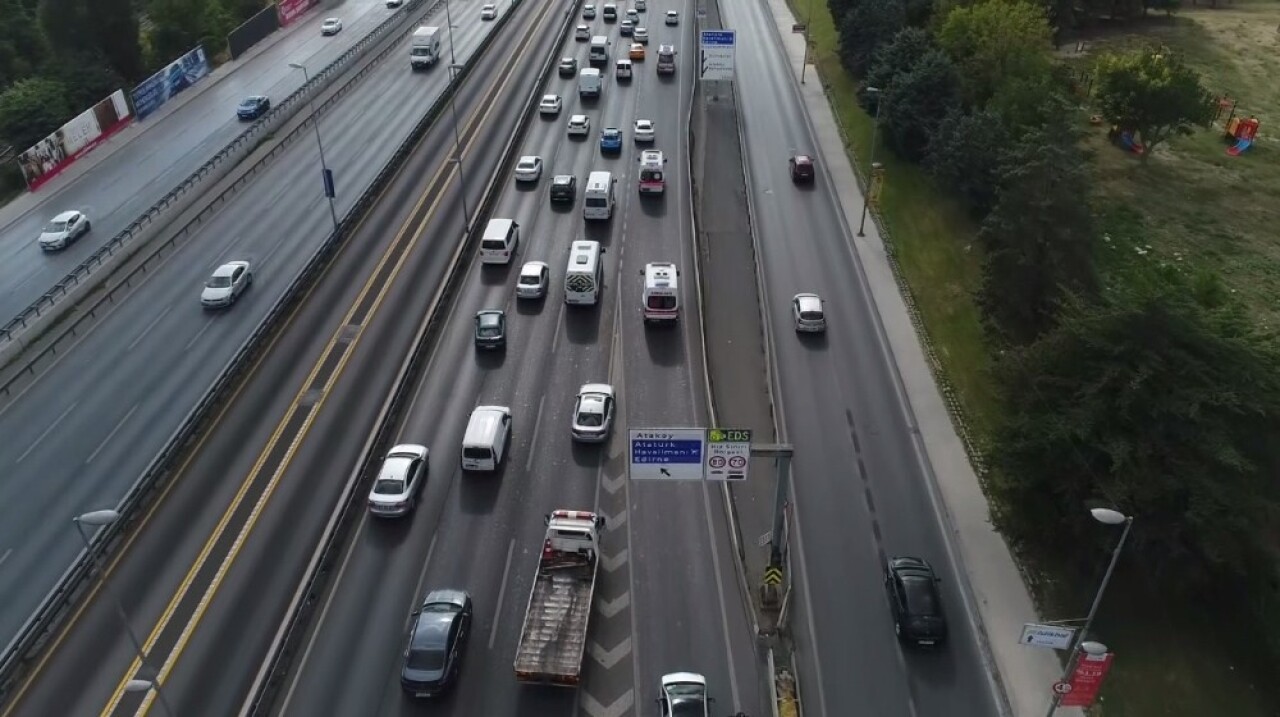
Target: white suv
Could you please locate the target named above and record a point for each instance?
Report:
(579, 126)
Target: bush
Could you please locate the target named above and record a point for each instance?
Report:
(865, 28)
(917, 102)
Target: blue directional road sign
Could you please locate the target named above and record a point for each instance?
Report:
(667, 453)
(717, 47)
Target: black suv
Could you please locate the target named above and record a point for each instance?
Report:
(564, 188)
(917, 606)
(568, 66)
(491, 329)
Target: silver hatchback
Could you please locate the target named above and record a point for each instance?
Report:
(807, 311)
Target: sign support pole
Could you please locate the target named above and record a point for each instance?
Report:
(782, 453)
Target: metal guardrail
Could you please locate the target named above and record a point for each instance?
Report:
(248, 138)
(124, 286)
(32, 637)
(295, 625)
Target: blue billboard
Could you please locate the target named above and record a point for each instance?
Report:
(180, 74)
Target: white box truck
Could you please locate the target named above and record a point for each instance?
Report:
(425, 47)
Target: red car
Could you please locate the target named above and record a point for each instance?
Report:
(802, 168)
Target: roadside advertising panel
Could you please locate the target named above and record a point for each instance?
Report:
(48, 157)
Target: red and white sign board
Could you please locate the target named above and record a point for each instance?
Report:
(1086, 680)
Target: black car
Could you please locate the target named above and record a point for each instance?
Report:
(491, 329)
(917, 606)
(253, 107)
(568, 66)
(564, 188)
(437, 640)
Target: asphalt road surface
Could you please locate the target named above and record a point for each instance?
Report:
(79, 436)
(666, 598)
(860, 482)
(135, 176)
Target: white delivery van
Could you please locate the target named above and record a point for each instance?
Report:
(661, 295)
(584, 278)
(424, 49)
(599, 52)
(488, 435)
(652, 177)
(499, 242)
(590, 82)
(598, 198)
(623, 69)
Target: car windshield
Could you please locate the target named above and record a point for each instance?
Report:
(55, 227)
(921, 600)
(219, 282)
(388, 486)
(684, 689)
(428, 659)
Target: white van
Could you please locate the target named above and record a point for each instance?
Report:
(498, 245)
(599, 52)
(598, 198)
(623, 69)
(661, 295)
(488, 435)
(590, 82)
(584, 278)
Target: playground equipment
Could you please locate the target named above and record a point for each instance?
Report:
(1242, 132)
(1124, 138)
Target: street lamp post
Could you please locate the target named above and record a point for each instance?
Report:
(457, 145)
(1108, 517)
(325, 175)
(875, 135)
(808, 22)
(100, 518)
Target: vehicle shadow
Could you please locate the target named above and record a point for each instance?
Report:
(588, 455)
(665, 345)
(387, 534)
(490, 359)
(812, 340)
(495, 274)
(530, 307)
(582, 324)
(479, 492)
(653, 205)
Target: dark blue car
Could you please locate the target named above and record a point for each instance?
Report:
(253, 107)
(611, 140)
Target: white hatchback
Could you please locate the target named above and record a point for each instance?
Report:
(488, 12)
(534, 277)
(807, 311)
(579, 126)
(529, 169)
(644, 130)
(593, 413)
(673, 17)
(582, 32)
(62, 230)
(550, 105)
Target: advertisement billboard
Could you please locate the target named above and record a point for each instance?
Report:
(48, 157)
(174, 78)
(291, 10)
(1086, 680)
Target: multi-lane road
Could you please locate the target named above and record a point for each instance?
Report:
(172, 144)
(79, 436)
(862, 491)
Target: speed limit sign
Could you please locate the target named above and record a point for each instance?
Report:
(1062, 688)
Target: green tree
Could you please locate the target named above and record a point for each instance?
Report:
(22, 46)
(993, 41)
(865, 28)
(916, 102)
(1152, 93)
(177, 26)
(964, 155)
(1154, 402)
(107, 28)
(898, 56)
(1034, 100)
(1038, 239)
(31, 109)
(217, 23)
(85, 76)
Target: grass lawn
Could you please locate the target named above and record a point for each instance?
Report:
(1190, 204)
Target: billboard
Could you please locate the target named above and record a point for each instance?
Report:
(252, 31)
(48, 157)
(291, 10)
(174, 78)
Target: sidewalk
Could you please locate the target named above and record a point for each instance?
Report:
(1002, 600)
(25, 202)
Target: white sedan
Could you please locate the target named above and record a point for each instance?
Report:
(226, 285)
(579, 126)
(529, 169)
(331, 26)
(62, 230)
(533, 281)
(550, 105)
(684, 694)
(593, 413)
(644, 130)
(488, 12)
(399, 483)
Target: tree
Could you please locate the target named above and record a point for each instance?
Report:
(898, 56)
(1039, 236)
(868, 25)
(1034, 100)
(117, 37)
(86, 77)
(217, 23)
(964, 155)
(1156, 403)
(840, 8)
(22, 46)
(177, 27)
(994, 41)
(31, 109)
(916, 102)
(106, 27)
(1151, 93)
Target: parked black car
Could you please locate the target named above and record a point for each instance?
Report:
(253, 107)
(564, 188)
(491, 329)
(437, 640)
(917, 606)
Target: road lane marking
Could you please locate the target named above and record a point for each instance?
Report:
(528, 464)
(150, 326)
(44, 435)
(112, 434)
(203, 329)
(502, 591)
(6, 555)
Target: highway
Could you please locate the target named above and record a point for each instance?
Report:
(862, 486)
(667, 599)
(173, 143)
(80, 435)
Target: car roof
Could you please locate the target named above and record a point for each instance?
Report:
(332, 19)
(596, 388)
(226, 269)
(906, 566)
(408, 449)
(489, 316)
(530, 158)
(550, 97)
(65, 216)
(451, 596)
(803, 159)
(395, 467)
(533, 267)
(611, 130)
(577, 118)
(644, 121)
(562, 179)
(432, 629)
